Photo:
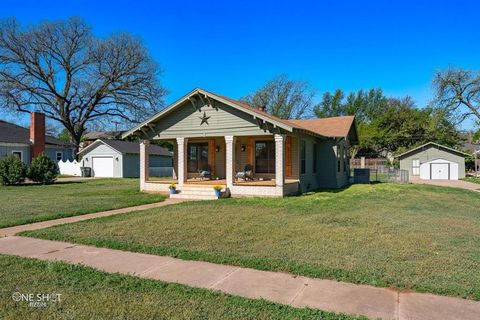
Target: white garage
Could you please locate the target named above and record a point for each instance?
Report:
(121, 159)
(439, 169)
(102, 167)
(433, 161)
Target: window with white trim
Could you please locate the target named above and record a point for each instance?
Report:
(18, 153)
(59, 155)
(416, 167)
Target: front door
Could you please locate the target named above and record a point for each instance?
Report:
(440, 171)
(197, 157)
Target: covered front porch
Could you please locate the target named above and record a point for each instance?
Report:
(268, 157)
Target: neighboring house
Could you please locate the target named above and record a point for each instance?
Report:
(29, 143)
(434, 161)
(120, 159)
(472, 147)
(90, 137)
(221, 135)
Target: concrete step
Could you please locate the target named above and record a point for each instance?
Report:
(188, 188)
(196, 191)
(193, 196)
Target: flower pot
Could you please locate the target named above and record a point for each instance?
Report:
(218, 193)
(173, 191)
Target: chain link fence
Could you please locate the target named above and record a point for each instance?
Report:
(376, 170)
(385, 174)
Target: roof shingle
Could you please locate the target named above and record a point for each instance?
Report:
(127, 147)
(12, 133)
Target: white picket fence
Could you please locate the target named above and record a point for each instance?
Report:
(70, 168)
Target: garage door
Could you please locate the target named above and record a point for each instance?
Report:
(440, 171)
(102, 166)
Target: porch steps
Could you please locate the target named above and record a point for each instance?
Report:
(195, 192)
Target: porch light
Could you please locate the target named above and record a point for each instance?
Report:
(217, 149)
(244, 147)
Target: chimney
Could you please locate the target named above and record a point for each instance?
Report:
(37, 133)
(261, 108)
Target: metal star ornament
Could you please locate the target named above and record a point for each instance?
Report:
(204, 118)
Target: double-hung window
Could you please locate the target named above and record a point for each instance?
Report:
(303, 157)
(416, 167)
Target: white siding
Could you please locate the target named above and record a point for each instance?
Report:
(425, 169)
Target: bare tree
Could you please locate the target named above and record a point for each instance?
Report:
(61, 69)
(458, 92)
(284, 98)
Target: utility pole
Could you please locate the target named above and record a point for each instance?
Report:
(116, 125)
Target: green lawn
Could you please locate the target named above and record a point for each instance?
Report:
(31, 203)
(472, 179)
(89, 294)
(419, 237)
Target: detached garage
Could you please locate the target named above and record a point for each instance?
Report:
(433, 161)
(121, 159)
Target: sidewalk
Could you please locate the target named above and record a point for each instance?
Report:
(278, 287)
(10, 231)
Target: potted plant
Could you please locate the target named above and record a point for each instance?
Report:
(173, 188)
(218, 190)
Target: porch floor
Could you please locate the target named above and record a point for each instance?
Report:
(222, 182)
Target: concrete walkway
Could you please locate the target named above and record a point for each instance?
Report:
(44, 224)
(278, 287)
(448, 183)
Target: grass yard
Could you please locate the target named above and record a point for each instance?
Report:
(89, 294)
(472, 179)
(32, 203)
(419, 237)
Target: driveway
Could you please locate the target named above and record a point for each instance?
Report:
(448, 183)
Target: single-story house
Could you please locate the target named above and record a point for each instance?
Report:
(433, 161)
(120, 159)
(91, 137)
(28, 143)
(223, 136)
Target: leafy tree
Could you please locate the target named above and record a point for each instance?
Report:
(284, 98)
(403, 126)
(12, 170)
(365, 105)
(476, 135)
(386, 125)
(458, 92)
(43, 170)
(64, 136)
(74, 77)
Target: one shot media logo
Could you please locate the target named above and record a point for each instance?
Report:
(37, 300)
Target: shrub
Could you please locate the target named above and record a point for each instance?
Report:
(43, 170)
(12, 170)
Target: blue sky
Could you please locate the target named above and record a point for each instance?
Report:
(234, 47)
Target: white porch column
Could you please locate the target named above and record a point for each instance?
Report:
(175, 161)
(181, 157)
(144, 163)
(230, 159)
(279, 162)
